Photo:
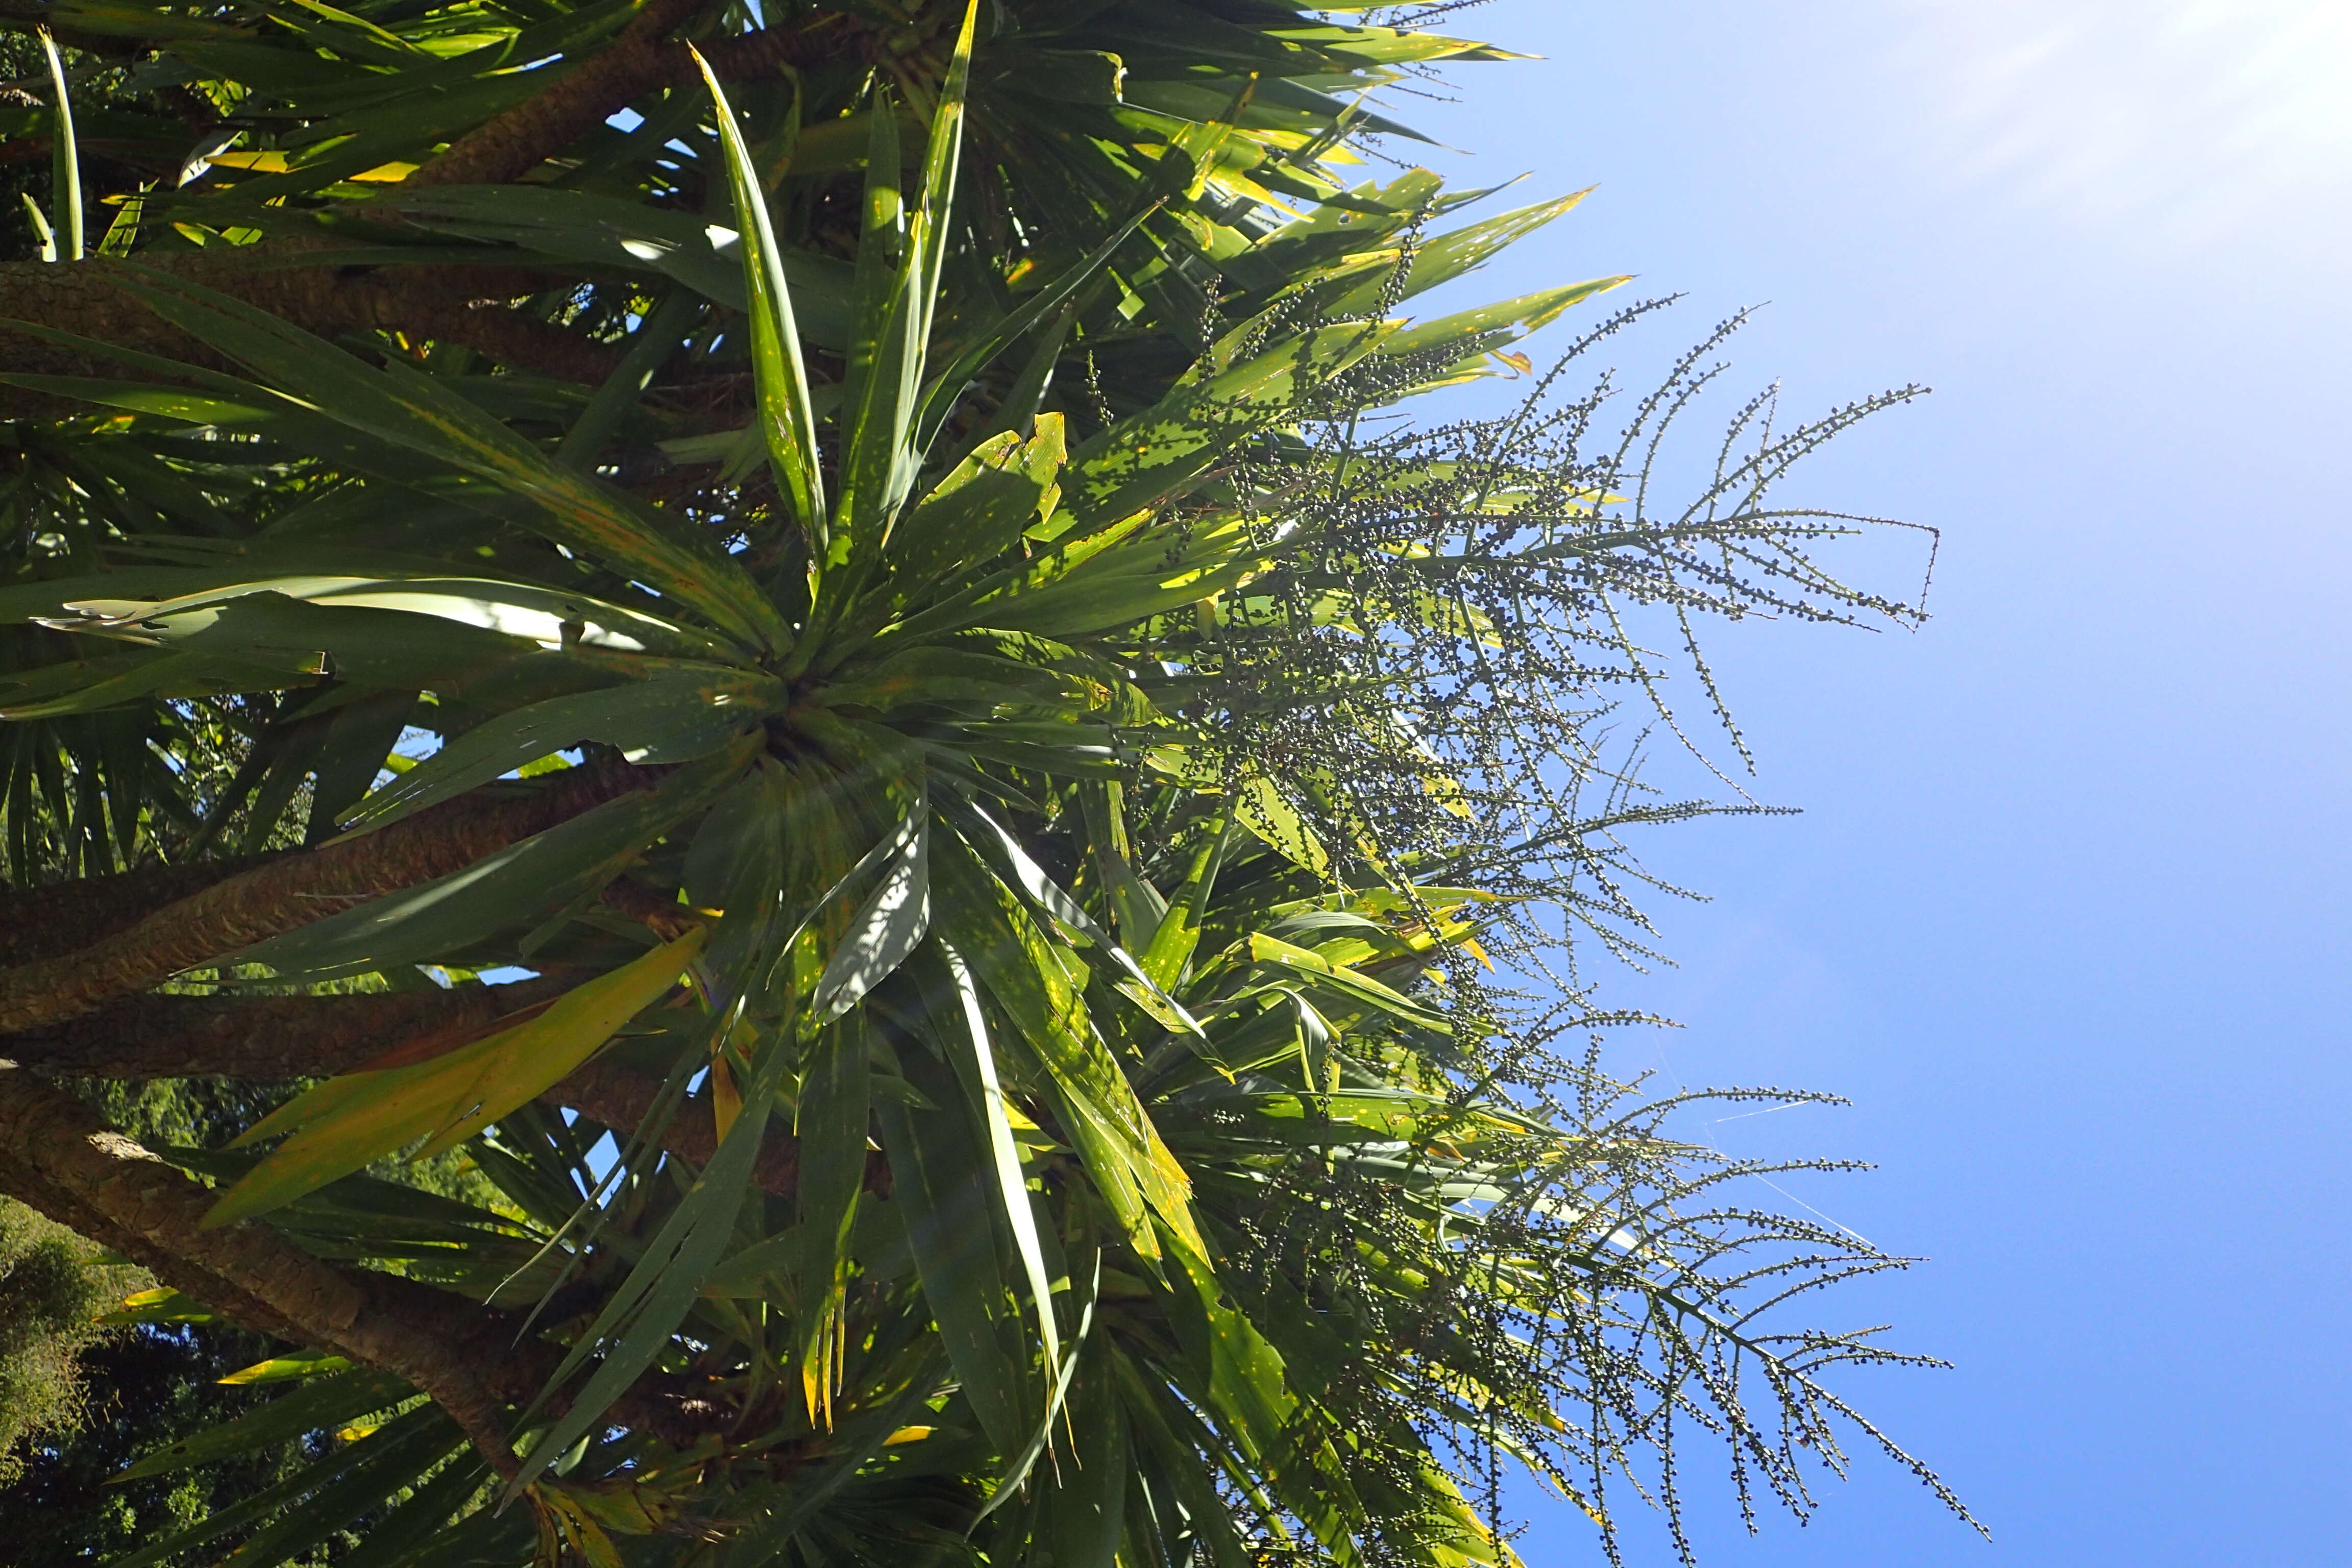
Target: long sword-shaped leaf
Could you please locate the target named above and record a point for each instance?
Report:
(900, 261)
(1082, 1516)
(685, 714)
(950, 1225)
(422, 1426)
(325, 1402)
(66, 159)
(409, 408)
(1179, 931)
(981, 509)
(642, 1314)
(880, 340)
(941, 158)
(415, 1442)
(995, 841)
(830, 1121)
(1011, 1184)
(505, 889)
(1016, 1473)
(609, 231)
(776, 1513)
(1021, 967)
(787, 424)
(940, 398)
(886, 927)
(395, 1541)
(657, 336)
(1362, 988)
(1144, 458)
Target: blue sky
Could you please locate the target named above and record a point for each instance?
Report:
(2066, 912)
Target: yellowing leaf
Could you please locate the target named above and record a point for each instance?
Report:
(277, 1369)
(341, 1125)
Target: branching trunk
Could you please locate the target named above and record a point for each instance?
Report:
(269, 1038)
(441, 303)
(276, 1037)
(283, 894)
(642, 58)
(455, 304)
(81, 950)
(58, 1156)
(44, 922)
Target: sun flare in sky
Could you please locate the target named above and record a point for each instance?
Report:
(2203, 111)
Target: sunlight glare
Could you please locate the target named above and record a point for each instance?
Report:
(2207, 111)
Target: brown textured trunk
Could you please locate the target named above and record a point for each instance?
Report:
(642, 58)
(277, 1037)
(456, 304)
(58, 1156)
(284, 894)
(442, 302)
(42, 922)
(269, 1038)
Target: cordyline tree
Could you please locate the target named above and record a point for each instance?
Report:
(800, 632)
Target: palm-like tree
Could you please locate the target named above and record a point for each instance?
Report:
(1006, 791)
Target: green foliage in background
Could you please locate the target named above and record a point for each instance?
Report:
(49, 1301)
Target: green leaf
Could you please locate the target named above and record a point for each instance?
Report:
(1464, 251)
(65, 183)
(411, 1445)
(950, 1223)
(999, 845)
(1093, 584)
(949, 384)
(86, 686)
(354, 641)
(144, 397)
(787, 424)
(657, 336)
(279, 1369)
(1099, 1109)
(681, 715)
(409, 408)
(882, 362)
(420, 1517)
(1178, 932)
(830, 1121)
(981, 509)
(639, 1316)
(1017, 1472)
(886, 927)
(321, 1404)
(1142, 460)
(1263, 809)
(1490, 326)
(380, 1461)
(360, 735)
(1011, 1182)
(606, 231)
(1083, 1511)
(773, 1515)
(1360, 988)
